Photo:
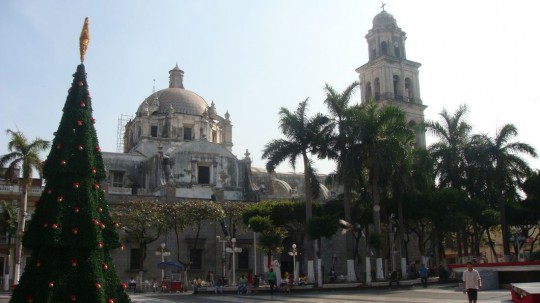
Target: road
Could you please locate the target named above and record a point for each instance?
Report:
(437, 293)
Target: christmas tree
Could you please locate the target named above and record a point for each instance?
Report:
(71, 231)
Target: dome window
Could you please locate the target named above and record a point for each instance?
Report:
(384, 48)
(153, 131)
(187, 133)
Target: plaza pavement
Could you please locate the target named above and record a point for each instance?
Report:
(440, 293)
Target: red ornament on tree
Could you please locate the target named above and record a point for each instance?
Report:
(80, 83)
(122, 246)
(73, 298)
(94, 171)
(79, 122)
(49, 191)
(116, 224)
(101, 225)
(98, 148)
(80, 147)
(83, 104)
(54, 226)
(105, 266)
(100, 244)
(110, 301)
(95, 221)
(59, 199)
(76, 210)
(75, 184)
(99, 209)
(63, 162)
(59, 146)
(74, 230)
(124, 285)
(51, 284)
(98, 285)
(73, 262)
(96, 186)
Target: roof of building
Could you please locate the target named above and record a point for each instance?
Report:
(384, 20)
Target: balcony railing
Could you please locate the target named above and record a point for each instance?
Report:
(119, 190)
(6, 188)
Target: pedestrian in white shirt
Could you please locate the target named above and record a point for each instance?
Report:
(471, 282)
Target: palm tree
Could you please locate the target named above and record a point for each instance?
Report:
(8, 225)
(386, 143)
(454, 135)
(303, 135)
(25, 155)
(339, 149)
(510, 171)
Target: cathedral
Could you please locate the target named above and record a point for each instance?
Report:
(178, 148)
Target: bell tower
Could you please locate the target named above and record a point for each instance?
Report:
(388, 77)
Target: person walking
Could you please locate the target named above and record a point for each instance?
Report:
(271, 280)
(471, 282)
(423, 272)
(249, 282)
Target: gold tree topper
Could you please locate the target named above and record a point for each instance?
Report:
(84, 39)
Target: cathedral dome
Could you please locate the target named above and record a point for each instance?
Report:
(174, 99)
(384, 20)
(177, 100)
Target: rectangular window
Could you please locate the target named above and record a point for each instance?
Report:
(153, 131)
(203, 174)
(196, 258)
(117, 179)
(187, 133)
(135, 255)
(243, 259)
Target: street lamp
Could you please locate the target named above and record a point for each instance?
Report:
(233, 250)
(293, 253)
(223, 253)
(163, 252)
(254, 251)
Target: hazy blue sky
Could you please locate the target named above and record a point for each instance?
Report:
(253, 57)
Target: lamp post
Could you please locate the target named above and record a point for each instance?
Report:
(163, 252)
(233, 250)
(254, 251)
(293, 253)
(223, 253)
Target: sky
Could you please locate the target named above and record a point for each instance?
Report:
(253, 57)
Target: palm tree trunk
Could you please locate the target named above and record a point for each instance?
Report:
(377, 221)
(20, 231)
(349, 237)
(504, 231)
(309, 244)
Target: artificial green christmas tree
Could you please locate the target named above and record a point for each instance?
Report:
(71, 231)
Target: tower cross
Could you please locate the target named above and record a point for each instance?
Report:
(382, 6)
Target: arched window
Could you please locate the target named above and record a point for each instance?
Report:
(396, 49)
(409, 94)
(368, 91)
(384, 48)
(377, 89)
(397, 93)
